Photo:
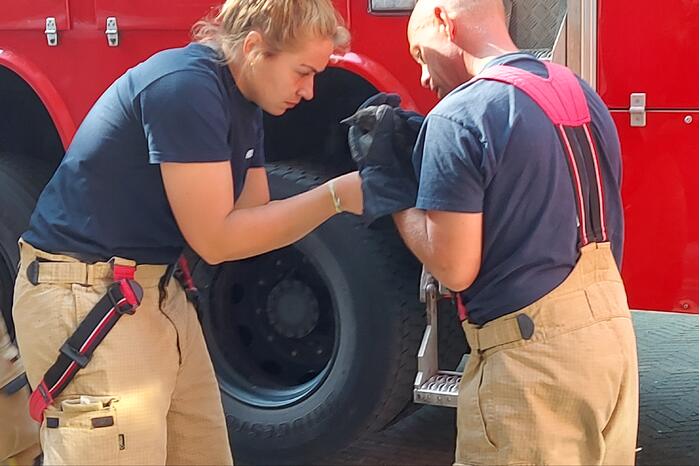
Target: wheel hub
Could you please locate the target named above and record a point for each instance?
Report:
(292, 309)
(271, 327)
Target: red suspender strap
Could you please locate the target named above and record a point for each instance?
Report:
(462, 311)
(122, 297)
(184, 276)
(562, 99)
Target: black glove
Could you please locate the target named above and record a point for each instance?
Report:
(381, 143)
(406, 137)
(392, 100)
(406, 123)
(414, 120)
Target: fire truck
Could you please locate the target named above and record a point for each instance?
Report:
(315, 345)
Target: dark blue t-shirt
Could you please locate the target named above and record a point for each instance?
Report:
(107, 197)
(487, 147)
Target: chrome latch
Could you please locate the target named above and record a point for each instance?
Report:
(112, 32)
(638, 110)
(51, 32)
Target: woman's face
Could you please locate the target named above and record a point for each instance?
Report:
(278, 82)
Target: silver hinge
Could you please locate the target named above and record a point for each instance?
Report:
(112, 32)
(51, 32)
(638, 110)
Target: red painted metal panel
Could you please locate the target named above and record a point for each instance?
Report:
(152, 14)
(382, 39)
(83, 65)
(166, 14)
(648, 46)
(343, 7)
(660, 197)
(376, 75)
(661, 160)
(31, 15)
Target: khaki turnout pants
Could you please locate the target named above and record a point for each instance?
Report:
(19, 434)
(569, 395)
(149, 394)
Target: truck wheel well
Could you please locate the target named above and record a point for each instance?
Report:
(25, 125)
(311, 134)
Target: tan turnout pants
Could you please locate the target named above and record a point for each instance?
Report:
(151, 375)
(19, 434)
(567, 396)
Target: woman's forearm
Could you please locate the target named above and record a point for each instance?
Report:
(256, 230)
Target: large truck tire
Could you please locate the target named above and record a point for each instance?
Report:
(314, 344)
(21, 181)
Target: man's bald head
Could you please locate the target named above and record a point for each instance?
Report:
(450, 39)
(466, 12)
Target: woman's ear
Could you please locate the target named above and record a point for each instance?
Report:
(252, 45)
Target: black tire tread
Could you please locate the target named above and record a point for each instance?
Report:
(400, 279)
(21, 182)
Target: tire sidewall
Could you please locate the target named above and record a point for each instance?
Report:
(16, 204)
(367, 329)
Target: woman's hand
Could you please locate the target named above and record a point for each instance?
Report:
(348, 188)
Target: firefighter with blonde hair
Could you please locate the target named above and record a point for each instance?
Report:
(171, 154)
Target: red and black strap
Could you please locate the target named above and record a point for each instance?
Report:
(562, 99)
(122, 297)
(184, 276)
(462, 311)
(584, 167)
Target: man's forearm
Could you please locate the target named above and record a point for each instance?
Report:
(448, 244)
(413, 229)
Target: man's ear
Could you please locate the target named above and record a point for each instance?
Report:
(445, 24)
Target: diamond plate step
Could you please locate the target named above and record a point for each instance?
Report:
(440, 390)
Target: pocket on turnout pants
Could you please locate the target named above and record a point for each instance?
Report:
(83, 430)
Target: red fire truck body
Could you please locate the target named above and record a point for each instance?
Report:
(58, 56)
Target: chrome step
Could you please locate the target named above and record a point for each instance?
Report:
(433, 386)
(441, 389)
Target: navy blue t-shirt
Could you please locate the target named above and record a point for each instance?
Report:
(487, 147)
(107, 197)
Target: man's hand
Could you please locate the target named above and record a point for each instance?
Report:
(405, 139)
(406, 125)
(381, 98)
(388, 181)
